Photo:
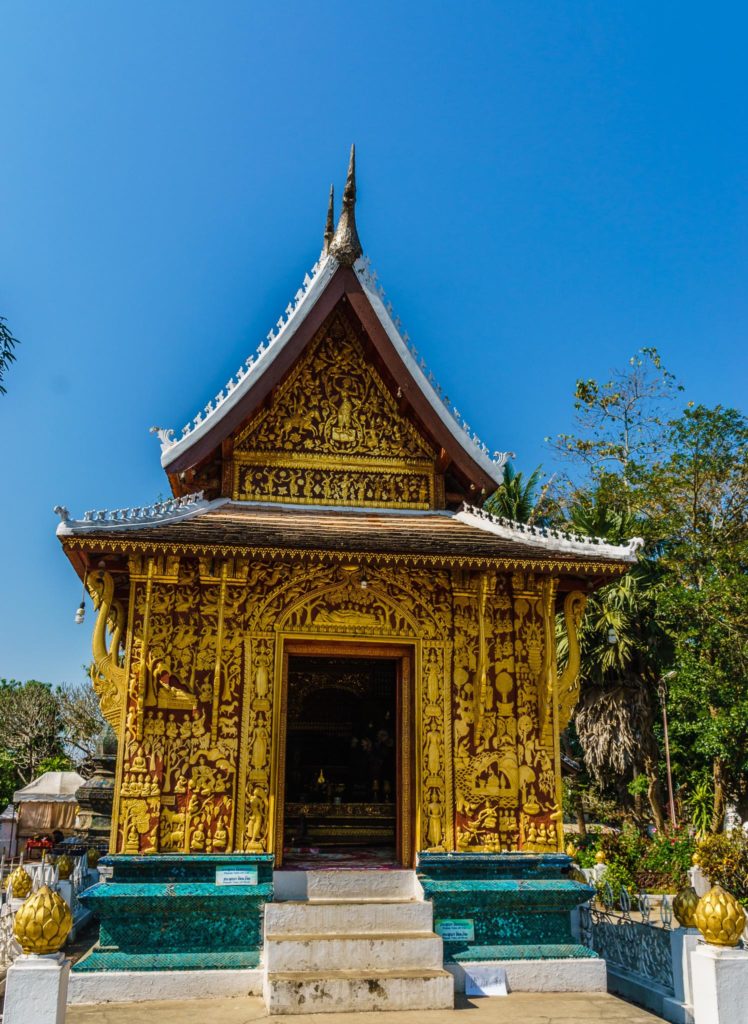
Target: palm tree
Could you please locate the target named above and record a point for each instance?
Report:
(515, 497)
(623, 651)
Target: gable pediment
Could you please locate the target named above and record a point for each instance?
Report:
(332, 433)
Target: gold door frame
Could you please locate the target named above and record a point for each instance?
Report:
(408, 656)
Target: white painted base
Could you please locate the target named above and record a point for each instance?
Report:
(535, 975)
(36, 989)
(720, 985)
(139, 986)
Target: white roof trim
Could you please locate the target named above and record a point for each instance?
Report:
(548, 537)
(448, 414)
(296, 312)
(173, 511)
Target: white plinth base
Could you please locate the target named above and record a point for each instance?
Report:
(720, 985)
(139, 986)
(36, 989)
(535, 975)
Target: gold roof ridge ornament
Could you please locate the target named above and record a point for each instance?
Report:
(329, 223)
(346, 245)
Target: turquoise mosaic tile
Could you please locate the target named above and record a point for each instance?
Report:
(518, 903)
(168, 912)
(546, 951)
(111, 960)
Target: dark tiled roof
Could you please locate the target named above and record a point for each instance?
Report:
(251, 525)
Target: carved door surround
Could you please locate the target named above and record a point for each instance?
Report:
(407, 656)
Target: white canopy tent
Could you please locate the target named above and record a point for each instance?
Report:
(48, 803)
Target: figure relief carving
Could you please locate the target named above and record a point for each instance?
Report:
(334, 434)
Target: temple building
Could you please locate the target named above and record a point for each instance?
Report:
(323, 576)
(322, 648)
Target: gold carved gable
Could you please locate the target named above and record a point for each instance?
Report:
(334, 435)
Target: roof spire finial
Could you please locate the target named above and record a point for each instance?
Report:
(345, 245)
(330, 223)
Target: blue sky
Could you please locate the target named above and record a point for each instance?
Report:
(543, 188)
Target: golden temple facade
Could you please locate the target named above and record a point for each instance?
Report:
(322, 640)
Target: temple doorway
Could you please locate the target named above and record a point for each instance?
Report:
(346, 758)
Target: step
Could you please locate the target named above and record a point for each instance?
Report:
(352, 951)
(349, 991)
(353, 884)
(346, 884)
(358, 916)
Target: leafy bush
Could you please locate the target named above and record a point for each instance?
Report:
(640, 863)
(664, 867)
(724, 860)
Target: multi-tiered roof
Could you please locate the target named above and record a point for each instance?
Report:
(240, 485)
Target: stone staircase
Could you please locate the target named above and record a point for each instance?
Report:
(352, 940)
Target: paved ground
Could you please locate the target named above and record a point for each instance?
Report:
(520, 1008)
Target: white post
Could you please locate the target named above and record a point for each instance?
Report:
(720, 984)
(36, 989)
(683, 942)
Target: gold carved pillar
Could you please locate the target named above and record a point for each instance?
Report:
(435, 816)
(255, 806)
(537, 715)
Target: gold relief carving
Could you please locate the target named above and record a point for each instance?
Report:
(180, 744)
(257, 728)
(436, 824)
(316, 484)
(568, 683)
(107, 671)
(334, 434)
(203, 716)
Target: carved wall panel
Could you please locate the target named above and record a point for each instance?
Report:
(201, 720)
(334, 434)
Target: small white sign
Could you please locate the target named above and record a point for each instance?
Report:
(455, 929)
(482, 980)
(236, 876)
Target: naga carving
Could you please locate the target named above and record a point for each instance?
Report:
(568, 683)
(107, 671)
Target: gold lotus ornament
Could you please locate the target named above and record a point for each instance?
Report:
(571, 851)
(684, 906)
(600, 857)
(43, 922)
(720, 918)
(92, 857)
(20, 882)
(65, 866)
(696, 859)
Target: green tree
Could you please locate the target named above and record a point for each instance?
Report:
(82, 721)
(7, 354)
(698, 496)
(619, 428)
(620, 433)
(30, 726)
